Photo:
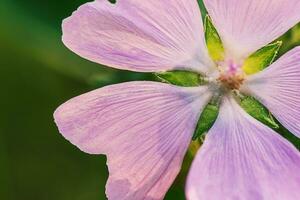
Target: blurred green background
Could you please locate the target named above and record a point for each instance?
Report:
(37, 74)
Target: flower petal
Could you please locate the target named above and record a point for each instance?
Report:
(145, 36)
(247, 25)
(244, 159)
(277, 87)
(143, 127)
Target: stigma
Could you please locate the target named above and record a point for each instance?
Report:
(231, 76)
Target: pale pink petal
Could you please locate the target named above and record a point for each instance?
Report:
(242, 159)
(139, 35)
(144, 128)
(278, 88)
(247, 25)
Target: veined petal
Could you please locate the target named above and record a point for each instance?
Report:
(139, 35)
(247, 25)
(144, 128)
(244, 159)
(278, 87)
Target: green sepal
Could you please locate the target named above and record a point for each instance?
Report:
(288, 135)
(207, 119)
(112, 1)
(202, 8)
(213, 41)
(261, 58)
(254, 108)
(181, 78)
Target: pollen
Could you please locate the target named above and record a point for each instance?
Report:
(232, 81)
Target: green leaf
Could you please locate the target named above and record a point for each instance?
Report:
(262, 58)
(213, 41)
(181, 78)
(258, 111)
(206, 120)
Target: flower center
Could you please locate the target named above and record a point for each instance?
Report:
(231, 82)
(231, 75)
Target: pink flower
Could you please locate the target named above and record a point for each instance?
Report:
(145, 128)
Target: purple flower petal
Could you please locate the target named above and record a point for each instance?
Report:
(278, 88)
(244, 159)
(145, 36)
(247, 25)
(143, 127)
